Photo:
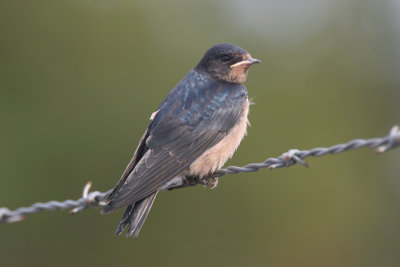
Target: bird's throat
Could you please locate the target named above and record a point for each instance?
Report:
(238, 74)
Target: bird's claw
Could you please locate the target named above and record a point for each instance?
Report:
(211, 182)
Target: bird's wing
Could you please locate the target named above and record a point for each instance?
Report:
(140, 150)
(177, 138)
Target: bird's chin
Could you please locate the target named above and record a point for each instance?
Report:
(238, 74)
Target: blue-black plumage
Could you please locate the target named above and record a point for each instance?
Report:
(194, 131)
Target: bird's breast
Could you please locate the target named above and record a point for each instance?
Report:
(215, 157)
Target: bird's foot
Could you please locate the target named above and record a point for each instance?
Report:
(211, 182)
(181, 183)
(192, 181)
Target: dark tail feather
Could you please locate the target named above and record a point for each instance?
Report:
(135, 215)
(125, 219)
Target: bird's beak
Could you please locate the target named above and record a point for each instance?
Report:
(249, 61)
(253, 60)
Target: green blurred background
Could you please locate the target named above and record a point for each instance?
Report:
(79, 80)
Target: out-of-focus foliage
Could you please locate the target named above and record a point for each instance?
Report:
(79, 80)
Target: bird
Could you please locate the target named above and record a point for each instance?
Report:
(194, 131)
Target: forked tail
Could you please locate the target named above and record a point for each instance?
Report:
(135, 215)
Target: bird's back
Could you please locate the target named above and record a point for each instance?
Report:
(195, 116)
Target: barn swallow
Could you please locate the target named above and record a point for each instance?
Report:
(194, 131)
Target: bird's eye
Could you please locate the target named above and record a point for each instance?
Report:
(225, 58)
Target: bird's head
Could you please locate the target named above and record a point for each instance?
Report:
(227, 62)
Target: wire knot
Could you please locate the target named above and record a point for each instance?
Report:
(89, 199)
(393, 140)
(293, 156)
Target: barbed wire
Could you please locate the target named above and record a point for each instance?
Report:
(293, 156)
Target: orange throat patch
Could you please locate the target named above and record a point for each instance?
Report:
(239, 73)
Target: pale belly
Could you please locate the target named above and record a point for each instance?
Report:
(215, 157)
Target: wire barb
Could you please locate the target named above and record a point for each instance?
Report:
(287, 159)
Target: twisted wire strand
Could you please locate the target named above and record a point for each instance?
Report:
(293, 156)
